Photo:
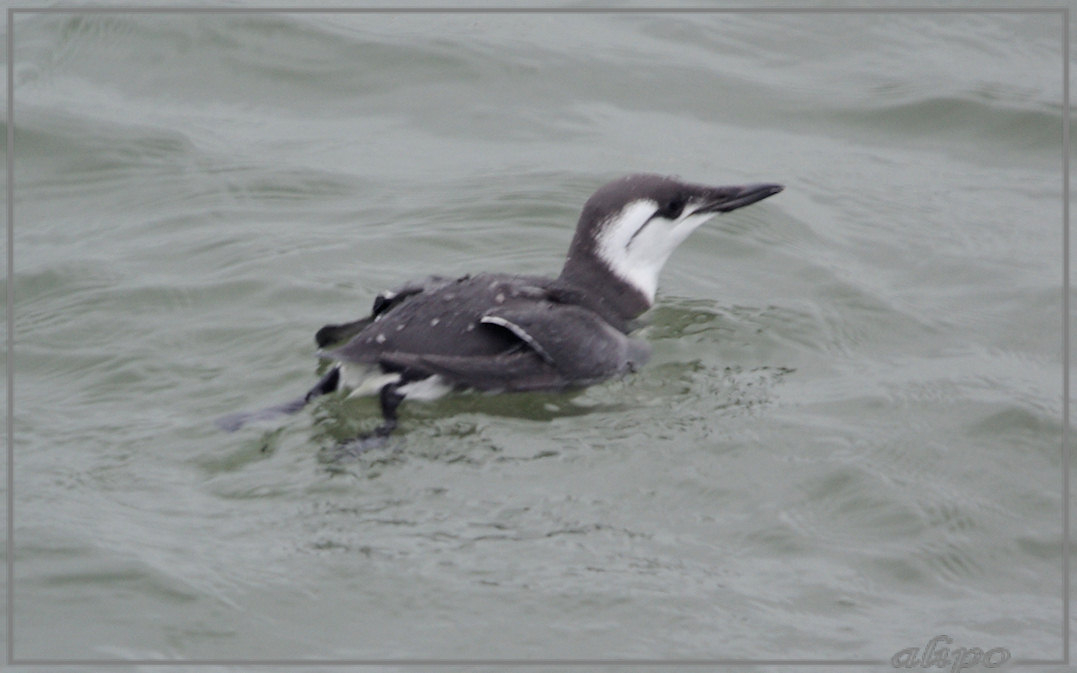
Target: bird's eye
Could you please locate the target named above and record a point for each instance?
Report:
(671, 209)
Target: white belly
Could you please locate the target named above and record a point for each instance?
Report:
(366, 380)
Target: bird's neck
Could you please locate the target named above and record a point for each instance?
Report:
(586, 270)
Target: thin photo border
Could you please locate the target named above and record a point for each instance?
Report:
(1063, 12)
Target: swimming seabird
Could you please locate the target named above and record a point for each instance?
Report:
(506, 333)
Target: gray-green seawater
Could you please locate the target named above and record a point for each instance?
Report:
(848, 439)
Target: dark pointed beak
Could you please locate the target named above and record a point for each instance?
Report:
(725, 199)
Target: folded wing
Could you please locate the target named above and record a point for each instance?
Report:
(558, 346)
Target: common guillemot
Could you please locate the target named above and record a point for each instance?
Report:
(502, 332)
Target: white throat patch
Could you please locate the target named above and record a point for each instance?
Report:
(637, 246)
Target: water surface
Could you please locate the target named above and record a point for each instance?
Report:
(847, 441)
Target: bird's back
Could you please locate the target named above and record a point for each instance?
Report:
(446, 320)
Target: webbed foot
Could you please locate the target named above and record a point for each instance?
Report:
(390, 400)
